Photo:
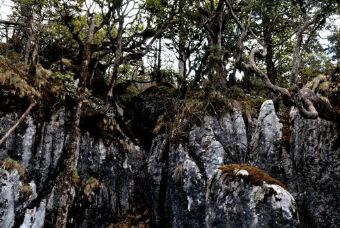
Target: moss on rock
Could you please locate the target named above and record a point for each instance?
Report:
(254, 175)
(11, 164)
(90, 185)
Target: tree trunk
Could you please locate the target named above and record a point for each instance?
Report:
(181, 66)
(268, 40)
(159, 55)
(296, 59)
(118, 60)
(217, 75)
(30, 35)
(66, 188)
(182, 45)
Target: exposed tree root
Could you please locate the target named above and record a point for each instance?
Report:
(306, 99)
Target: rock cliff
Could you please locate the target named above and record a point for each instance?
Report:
(206, 179)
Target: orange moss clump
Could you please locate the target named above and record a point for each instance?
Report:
(255, 175)
(134, 218)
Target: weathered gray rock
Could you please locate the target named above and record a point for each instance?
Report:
(157, 171)
(266, 148)
(6, 121)
(268, 131)
(172, 179)
(206, 147)
(226, 136)
(179, 172)
(118, 165)
(27, 140)
(11, 203)
(113, 167)
(49, 147)
(37, 150)
(177, 188)
(235, 202)
(315, 183)
(35, 218)
(9, 196)
(231, 132)
(310, 167)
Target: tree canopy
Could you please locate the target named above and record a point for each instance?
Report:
(193, 45)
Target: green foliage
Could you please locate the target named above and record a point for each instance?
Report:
(215, 55)
(334, 45)
(190, 29)
(125, 70)
(315, 62)
(79, 23)
(64, 84)
(100, 36)
(168, 75)
(155, 6)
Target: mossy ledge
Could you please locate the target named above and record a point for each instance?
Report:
(255, 175)
(11, 164)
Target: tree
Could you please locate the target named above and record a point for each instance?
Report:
(306, 99)
(66, 188)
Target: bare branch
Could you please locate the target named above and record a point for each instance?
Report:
(13, 23)
(244, 29)
(300, 45)
(253, 67)
(306, 95)
(239, 24)
(317, 81)
(22, 118)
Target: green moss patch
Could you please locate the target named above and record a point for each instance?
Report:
(75, 178)
(25, 192)
(90, 185)
(11, 164)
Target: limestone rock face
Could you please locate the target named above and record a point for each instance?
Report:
(309, 166)
(35, 218)
(179, 172)
(177, 188)
(267, 133)
(178, 182)
(219, 140)
(118, 166)
(266, 146)
(9, 196)
(315, 183)
(233, 201)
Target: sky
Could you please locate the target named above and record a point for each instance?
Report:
(5, 9)
(333, 20)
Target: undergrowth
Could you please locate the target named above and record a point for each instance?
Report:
(191, 111)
